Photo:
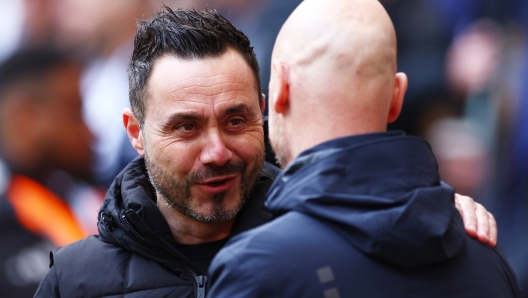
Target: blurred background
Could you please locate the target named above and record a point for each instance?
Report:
(467, 63)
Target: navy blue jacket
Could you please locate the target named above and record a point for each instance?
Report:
(362, 216)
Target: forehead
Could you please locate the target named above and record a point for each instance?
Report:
(214, 81)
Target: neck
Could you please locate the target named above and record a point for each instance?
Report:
(308, 135)
(186, 230)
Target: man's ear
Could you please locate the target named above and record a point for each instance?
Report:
(280, 98)
(398, 93)
(262, 102)
(133, 130)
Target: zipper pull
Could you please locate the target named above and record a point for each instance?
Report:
(108, 221)
(201, 281)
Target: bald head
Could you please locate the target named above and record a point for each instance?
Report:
(333, 74)
(347, 34)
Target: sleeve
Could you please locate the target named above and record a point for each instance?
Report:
(49, 286)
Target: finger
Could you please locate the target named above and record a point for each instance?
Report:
(482, 224)
(466, 206)
(493, 230)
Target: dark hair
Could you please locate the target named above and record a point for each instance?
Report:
(29, 66)
(186, 34)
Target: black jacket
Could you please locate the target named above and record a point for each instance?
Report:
(135, 254)
(362, 216)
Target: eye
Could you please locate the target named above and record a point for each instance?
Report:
(186, 126)
(236, 121)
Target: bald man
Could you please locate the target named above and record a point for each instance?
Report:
(362, 212)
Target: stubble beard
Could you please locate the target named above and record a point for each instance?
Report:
(177, 193)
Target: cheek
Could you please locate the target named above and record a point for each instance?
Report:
(249, 147)
(177, 159)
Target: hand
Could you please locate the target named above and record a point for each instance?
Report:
(479, 223)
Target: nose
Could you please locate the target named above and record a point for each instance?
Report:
(215, 151)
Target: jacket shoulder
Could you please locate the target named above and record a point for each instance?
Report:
(259, 263)
(263, 256)
(93, 268)
(71, 254)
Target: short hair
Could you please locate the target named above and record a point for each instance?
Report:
(29, 65)
(186, 34)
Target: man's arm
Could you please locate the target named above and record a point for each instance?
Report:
(479, 223)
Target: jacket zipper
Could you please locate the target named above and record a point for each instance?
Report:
(131, 229)
(201, 280)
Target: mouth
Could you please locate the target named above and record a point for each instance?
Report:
(218, 184)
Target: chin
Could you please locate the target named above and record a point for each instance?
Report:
(218, 209)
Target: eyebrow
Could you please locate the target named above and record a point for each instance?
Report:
(183, 117)
(240, 108)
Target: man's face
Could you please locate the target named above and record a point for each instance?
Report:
(65, 140)
(203, 134)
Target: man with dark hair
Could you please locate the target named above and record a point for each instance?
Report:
(196, 121)
(45, 147)
(186, 41)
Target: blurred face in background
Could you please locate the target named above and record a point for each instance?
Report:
(462, 155)
(60, 131)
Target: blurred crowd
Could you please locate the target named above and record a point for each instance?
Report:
(63, 87)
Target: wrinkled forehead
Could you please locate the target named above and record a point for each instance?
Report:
(212, 81)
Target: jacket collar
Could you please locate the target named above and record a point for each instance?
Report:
(382, 191)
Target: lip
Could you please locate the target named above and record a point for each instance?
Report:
(218, 184)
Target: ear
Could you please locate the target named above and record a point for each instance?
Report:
(398, 93)
(262, 102)
(133, 130)
(280, 93)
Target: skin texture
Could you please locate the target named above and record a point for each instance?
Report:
(203, 125)
(479, 223)
(334, 62)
